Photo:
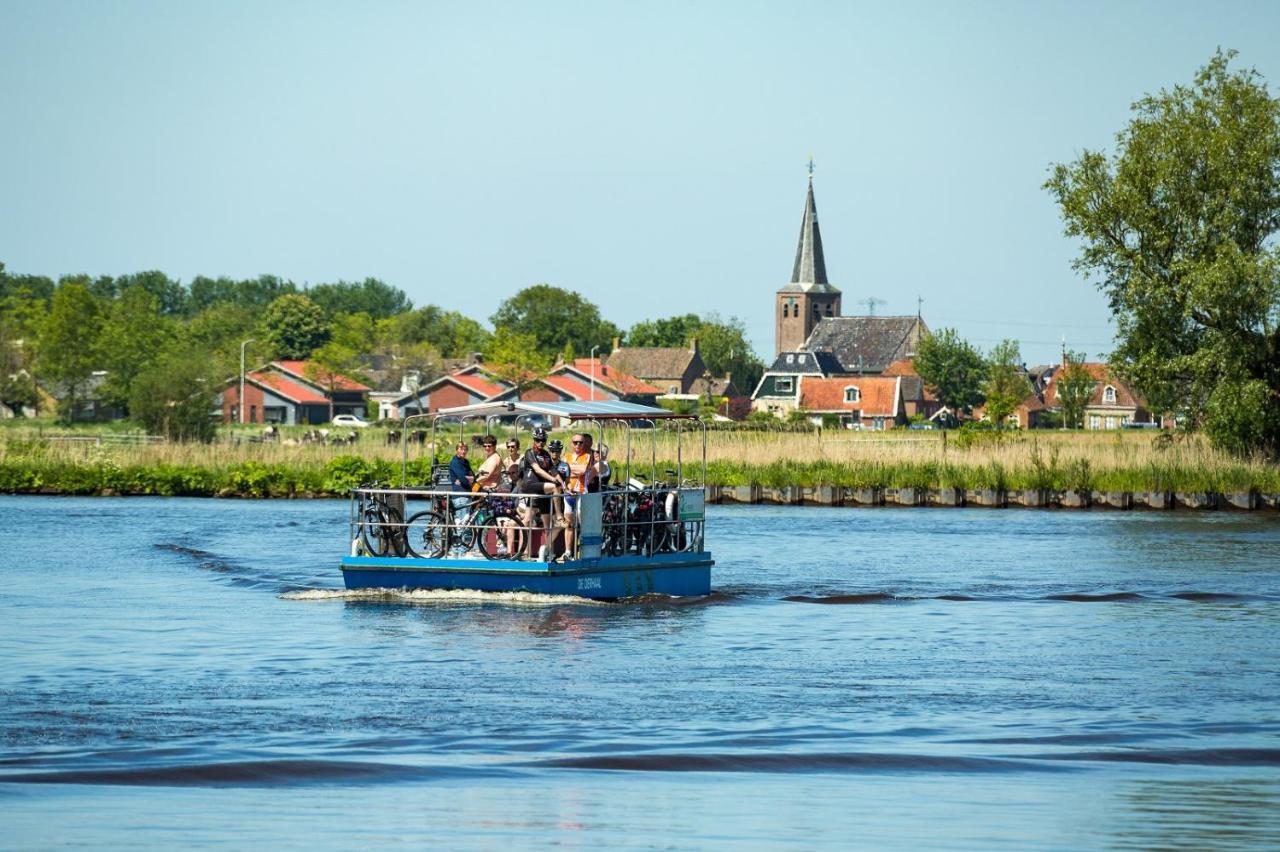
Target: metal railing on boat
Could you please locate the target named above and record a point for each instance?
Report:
(432, 523)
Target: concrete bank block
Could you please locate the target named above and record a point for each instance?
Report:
(905, 496)
(788, 495)
(1247, 501)
(864, 496)
(946, 497)
(740, 494)
(1112, 499)
(1030, 498)
(1153, 500)
(1074, 499)
(824, 495)
(712, 493)
(1269, 501)
(989, 497)
(1195, 500)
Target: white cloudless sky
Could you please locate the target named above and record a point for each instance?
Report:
(649, 156)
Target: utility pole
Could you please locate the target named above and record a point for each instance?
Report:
(593, 371)
(240, 399)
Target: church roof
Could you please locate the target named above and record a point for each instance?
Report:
(864, 344)
(809, 274)
(806, 362)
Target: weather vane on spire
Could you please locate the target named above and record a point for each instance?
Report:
(811, 167)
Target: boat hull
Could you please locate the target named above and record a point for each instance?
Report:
(605, 578)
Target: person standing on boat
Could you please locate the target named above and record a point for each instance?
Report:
(580, 477)
(539, 477)
(511, 465)
(489, 476)
(461, 478)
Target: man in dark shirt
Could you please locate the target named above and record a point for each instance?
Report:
(539, 477)
(460, 479)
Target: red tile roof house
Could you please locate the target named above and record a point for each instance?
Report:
(281, 393)
(1113, 404)
(860, 402)
(468, 386)
(609, 381)
(673, 370)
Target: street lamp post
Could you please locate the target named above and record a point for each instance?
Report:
(593, 372)
(240, 400)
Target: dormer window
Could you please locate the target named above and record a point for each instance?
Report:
(800, 359)
(852, 394)
(783, 384)
(791, 359)
(1109, 395)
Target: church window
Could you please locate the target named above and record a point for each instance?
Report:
(785, 310)
(829, 308)
(852, 394)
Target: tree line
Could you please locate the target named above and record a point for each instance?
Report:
(167, 347)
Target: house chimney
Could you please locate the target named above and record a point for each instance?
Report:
(616, 344)
(477, 358)
(693, 345)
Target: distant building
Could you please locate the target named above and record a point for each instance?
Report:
(283, 393)
(673, 370)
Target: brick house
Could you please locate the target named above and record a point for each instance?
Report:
(1113, 402)
(467, 386)
(281, 393)
(608, 381)
(860, 402)
(673, 370)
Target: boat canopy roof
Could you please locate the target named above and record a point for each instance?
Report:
(601, 409)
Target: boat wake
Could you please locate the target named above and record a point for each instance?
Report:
(439, 596)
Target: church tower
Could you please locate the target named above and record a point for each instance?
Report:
(808, 297)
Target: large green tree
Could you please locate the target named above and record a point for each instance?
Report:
(294, 326)
(68, 352)
(370, 296)
(1074, 385)
(132, 338)
(556, 319)
(448, 332)
(516, 358)
(253, 292)
(174, 397)
(952, 368)
(1006, 385)
(1178, 227)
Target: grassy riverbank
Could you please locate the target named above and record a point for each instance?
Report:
(32, 462)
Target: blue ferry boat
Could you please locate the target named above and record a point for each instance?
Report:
(634, 536)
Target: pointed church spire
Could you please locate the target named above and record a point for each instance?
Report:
(810, 266)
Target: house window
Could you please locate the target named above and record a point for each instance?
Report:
(253, 414)
(791, 359)
(1109, 396)
(783, 385)
(852, 394)
(1111, 423)
(673, 389)
(800, 359)
(1095, 422)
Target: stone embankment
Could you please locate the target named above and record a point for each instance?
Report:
(827, 495)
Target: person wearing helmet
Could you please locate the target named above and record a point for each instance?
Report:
(538, 477)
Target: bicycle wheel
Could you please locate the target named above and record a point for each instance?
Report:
(380, 530)
(426, 535)
(491, 536)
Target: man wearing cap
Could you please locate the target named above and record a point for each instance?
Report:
(539, 477)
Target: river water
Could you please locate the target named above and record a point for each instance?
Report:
(182, 672)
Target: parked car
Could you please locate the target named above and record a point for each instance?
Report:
(350, 420)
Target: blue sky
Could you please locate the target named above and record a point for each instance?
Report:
(650, 156)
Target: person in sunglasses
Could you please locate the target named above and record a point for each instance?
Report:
(538, 481)
(581, 474)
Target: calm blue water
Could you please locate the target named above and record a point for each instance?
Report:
(186, 673)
